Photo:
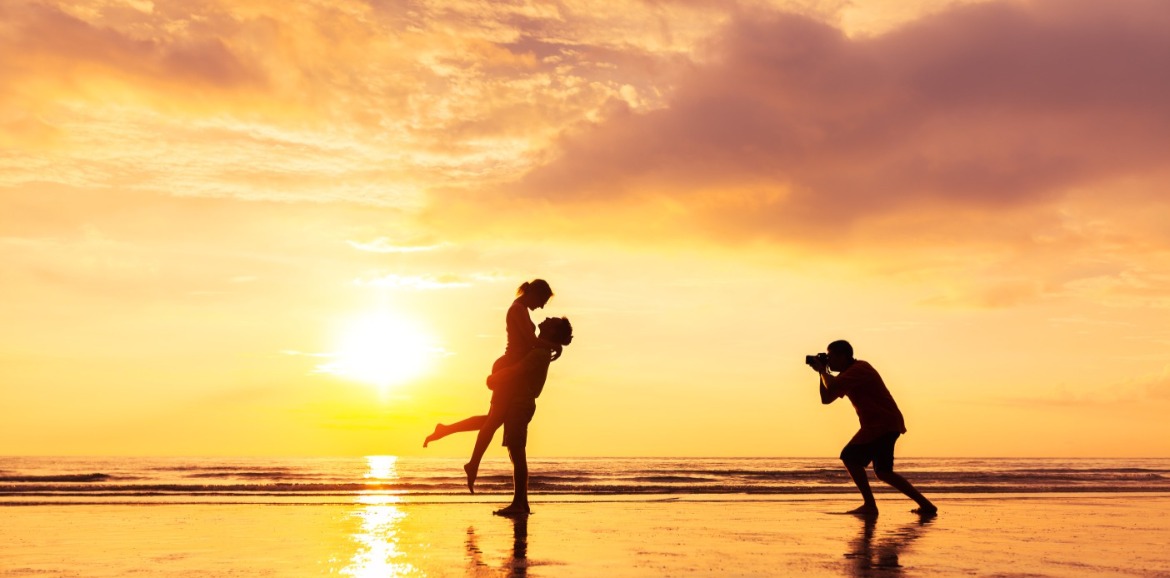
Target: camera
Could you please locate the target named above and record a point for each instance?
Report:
(810, 359)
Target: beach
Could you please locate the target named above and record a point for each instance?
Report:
(975, 535)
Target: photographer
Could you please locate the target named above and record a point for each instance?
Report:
(881, 423)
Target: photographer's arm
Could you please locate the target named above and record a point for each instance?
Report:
(826, 387)
(827, 380)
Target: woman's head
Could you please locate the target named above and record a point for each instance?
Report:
(557, 330)
(535, 293)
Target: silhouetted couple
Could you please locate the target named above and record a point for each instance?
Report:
(516, 381)
(881, 424)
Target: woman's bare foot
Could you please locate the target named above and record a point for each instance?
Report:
(513, 511)
(472, 472)
(864, 510)
(439, 433)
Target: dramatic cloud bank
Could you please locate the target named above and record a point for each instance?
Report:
(323, 101)
(984, 107)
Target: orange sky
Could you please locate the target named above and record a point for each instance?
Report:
(199, 201)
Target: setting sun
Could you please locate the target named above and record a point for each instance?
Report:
(382, 350)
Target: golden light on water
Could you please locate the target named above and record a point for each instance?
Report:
(383, 350)
(382, 468)
(378, 554)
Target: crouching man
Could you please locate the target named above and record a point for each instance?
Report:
(881, 424)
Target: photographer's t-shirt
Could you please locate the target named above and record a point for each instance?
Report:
(875, 406)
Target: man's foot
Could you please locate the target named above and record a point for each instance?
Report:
(864, 510)
(472, 472)
(439, 433)
(928, 511)
(513, 511)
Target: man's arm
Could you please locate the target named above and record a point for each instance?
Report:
(827, 379)
(518, 317)
(519, 371)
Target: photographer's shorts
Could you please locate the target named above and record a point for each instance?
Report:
(880, 451)
(516, 423)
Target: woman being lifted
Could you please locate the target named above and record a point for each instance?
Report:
(522, 340)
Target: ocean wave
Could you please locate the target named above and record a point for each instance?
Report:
(226, 474)
(57, 478)
(103, 478)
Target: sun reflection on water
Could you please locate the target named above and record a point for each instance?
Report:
(382, 468)
(378, 553)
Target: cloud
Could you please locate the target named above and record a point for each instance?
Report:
(384, 103)
(1137, 391)
(385, 245)
(983, 108)
(52, 40)
(416, 282)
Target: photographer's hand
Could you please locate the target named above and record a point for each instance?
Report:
(826, 383)
(819, 365)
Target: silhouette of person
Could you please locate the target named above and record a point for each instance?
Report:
(514, 566)
(518, 562)
(881, 423)
(522, 338)
(520, 385)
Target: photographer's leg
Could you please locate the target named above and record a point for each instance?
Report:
(925, 507)
(861, 480)
(883, 468)
(856, 458)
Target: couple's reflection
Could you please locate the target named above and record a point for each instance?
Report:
(881, 558)
(516, 561)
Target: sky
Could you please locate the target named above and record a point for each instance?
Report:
(251, 227)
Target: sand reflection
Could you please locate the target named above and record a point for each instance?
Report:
(378, 553)
(515, 563)
(881, 558)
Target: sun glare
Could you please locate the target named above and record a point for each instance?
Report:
(382, 350)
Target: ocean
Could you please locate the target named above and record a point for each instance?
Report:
(68, 480)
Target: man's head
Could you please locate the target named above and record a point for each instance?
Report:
(556, 330)
(840, 355)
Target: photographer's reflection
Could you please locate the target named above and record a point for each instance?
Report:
(515, 565)
(882, 558)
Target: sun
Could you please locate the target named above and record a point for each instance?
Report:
(383, 350)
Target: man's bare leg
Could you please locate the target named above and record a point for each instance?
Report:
(519, 505)
(861, 480)
(441, 431)
(925, 507)
(492, 421)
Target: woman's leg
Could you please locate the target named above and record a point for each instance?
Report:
(493, 420)
(473, 423)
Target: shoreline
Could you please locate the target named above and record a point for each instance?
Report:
(342, 500)
(1033, 535)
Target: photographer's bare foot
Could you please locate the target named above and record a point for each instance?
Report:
(471, 472)
(865, 510)
(926, 511)
(513, 511)
(439, 433)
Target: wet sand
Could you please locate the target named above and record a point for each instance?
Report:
(980, 535)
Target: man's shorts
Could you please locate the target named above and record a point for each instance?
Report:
(879, 451)
(516, 423)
